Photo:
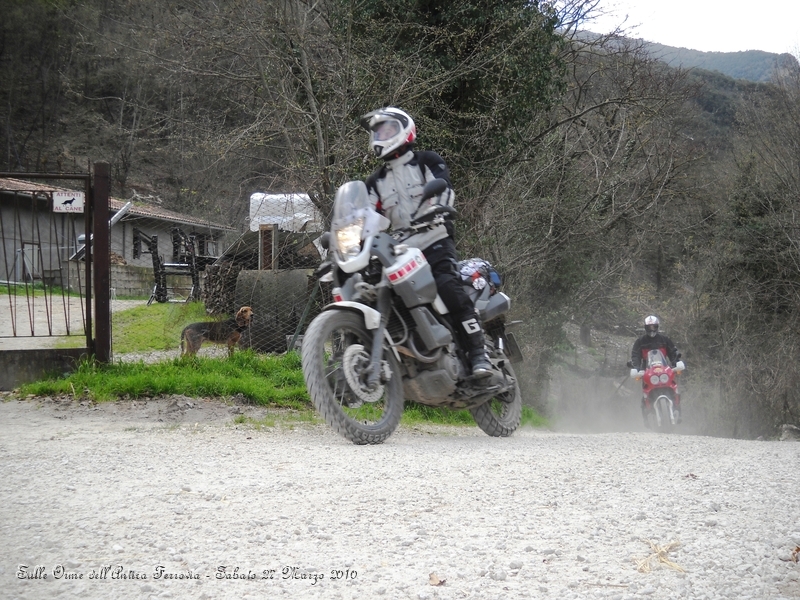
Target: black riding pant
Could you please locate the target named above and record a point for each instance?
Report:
(443, 258)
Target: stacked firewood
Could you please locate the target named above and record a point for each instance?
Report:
(219, 288)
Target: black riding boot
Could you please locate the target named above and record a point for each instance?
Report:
(481, 367)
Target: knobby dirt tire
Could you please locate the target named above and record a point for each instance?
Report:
(666, 424)
(328, 401)
(500, 417)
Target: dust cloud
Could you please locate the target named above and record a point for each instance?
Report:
(594, 403)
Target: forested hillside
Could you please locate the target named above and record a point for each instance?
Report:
(752, 65)
(603, 183)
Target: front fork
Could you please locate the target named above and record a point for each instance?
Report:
(384, 306)
(673, 404)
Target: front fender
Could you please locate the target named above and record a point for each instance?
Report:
(372, 318)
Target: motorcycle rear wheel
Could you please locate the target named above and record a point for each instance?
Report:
(324, 361)
(500, 416)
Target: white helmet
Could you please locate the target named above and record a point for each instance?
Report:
(389, 129)
(651, 325)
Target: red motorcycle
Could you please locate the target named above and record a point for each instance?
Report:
(660, 396)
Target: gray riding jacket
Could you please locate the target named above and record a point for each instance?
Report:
(396, 187)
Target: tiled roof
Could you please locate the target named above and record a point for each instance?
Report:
(139, 209)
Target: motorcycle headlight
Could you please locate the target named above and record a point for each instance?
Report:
(654, 379)
(348, 238)
(664, 378)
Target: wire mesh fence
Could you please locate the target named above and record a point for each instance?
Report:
(169, 259)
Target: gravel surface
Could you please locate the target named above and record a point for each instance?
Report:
(99, 500)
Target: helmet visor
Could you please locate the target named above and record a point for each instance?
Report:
(651, 329)
(385, 130)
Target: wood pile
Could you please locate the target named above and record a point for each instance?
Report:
(219, 288)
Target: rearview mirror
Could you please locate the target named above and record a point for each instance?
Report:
(325, 240)
(433, 188)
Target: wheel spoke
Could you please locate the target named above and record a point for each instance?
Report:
(332, 348)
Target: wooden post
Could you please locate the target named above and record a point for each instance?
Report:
(269, 247)
(102, 264)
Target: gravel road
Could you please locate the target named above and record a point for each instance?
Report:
(173, 499)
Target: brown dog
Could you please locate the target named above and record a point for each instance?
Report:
(220, 332)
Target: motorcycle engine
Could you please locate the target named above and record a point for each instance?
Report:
(452, 366)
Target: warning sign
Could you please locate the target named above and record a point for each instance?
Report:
(68, 202)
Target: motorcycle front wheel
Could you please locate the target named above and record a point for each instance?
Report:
(500, 416)
(660, 409)
(335, 353)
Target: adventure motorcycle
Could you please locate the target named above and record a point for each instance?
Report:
(387, 336)
(660, 397)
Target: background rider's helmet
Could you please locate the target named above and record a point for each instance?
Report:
(390, 129)
(651, 325)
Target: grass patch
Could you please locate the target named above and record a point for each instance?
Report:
(261, 379)
(155, 327)
(36, 289)
(415, 414)
(267, 380)
(531, 418)
(289, 417)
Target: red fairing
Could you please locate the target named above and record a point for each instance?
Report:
(658, 376)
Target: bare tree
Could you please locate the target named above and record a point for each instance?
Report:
(749, 319)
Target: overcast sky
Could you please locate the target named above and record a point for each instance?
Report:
(708, 25)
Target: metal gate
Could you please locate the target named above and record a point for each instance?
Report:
(54, 272)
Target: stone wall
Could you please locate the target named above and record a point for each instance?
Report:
(128, 280)
(27, 366)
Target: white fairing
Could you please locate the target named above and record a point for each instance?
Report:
(372, 318)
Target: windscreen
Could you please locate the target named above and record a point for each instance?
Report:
(350, 204)
(656, 358)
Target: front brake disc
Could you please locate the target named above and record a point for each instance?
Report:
(354, 362)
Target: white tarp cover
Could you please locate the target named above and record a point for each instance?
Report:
(290, 212)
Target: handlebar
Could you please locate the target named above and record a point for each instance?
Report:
(441, 209)
(430, 220)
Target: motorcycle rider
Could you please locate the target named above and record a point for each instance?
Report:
(395, 189)
(652, 340)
